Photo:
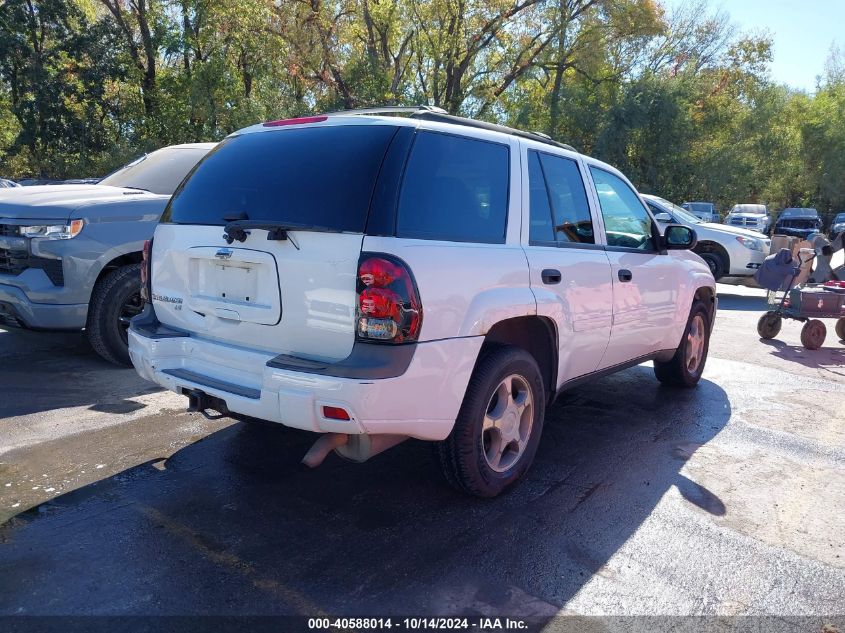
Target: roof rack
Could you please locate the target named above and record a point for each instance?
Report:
(458, 120)
(389, 110)
(433, 113)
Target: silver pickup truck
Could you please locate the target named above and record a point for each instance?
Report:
(70, 254)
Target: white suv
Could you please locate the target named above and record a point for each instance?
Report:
(374, 278)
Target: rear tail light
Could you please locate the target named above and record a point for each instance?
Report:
(389, 308)
(146, 270)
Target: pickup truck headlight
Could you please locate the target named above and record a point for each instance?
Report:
(53, 231)
(754, 245)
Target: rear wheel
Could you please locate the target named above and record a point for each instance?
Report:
(813, 334)
(499, 425)
(115, 300)
(769, 325)
(687, 365)
(840, 329)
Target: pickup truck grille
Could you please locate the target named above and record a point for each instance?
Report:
(14, 262)
(743, 222)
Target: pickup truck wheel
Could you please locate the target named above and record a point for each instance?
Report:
(686, 366)
(116, 299)
(499, 424)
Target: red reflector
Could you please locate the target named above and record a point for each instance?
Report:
(335, 413)
(297, 121)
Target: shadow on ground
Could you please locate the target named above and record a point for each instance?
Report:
(729, 301)
(233, 524)
(826, 358)
(43, 371)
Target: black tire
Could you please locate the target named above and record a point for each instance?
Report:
(840, 328)
(464, 455)
(716, 264)
(681, 371)
(768, 326)
(813, 334)
(116, 298)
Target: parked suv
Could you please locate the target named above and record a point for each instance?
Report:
(798, 222)
(373, 278)
(70, 254)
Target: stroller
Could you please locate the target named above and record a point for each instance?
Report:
(807, 303)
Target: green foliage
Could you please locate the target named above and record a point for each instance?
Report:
(678, 100)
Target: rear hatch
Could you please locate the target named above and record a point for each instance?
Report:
(272, 288)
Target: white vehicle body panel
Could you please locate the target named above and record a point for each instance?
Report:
(422, 403)
(305, 298)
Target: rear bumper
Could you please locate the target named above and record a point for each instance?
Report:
(16, 310)
(423, 402)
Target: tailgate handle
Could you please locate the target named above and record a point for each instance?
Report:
(223, 313)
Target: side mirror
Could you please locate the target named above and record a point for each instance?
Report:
(663, 217)
(678, 237)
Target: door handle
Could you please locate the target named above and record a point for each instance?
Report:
(625, 274)
(550, 276)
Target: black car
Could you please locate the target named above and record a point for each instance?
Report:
(798, 222)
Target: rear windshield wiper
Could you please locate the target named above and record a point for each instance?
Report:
(238, 230)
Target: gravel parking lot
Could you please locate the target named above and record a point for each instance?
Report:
(729, 499)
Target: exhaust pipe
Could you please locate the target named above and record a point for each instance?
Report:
(356, 448)
(324, 445)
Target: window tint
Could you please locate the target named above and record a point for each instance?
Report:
(320, 176)
(626, 221)
(455, 189)
(570, 208)
(541, 225)
(559, 211)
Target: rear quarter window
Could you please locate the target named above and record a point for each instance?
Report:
(317, 176)
(454, 189)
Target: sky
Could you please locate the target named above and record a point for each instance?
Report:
(802, 31)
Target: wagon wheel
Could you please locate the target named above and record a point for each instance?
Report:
(840, 329)
(769, 325)
(813, 333)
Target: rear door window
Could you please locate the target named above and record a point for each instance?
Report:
(455, 189)
(560, 213)
(316, 176)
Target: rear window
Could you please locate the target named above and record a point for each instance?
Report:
(317, 176)
(159, 172)
(455, 189)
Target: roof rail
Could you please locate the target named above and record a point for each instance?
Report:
(433, 113)
(389, 110)
(458, 120)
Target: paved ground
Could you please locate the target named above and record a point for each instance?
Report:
(729, 499)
